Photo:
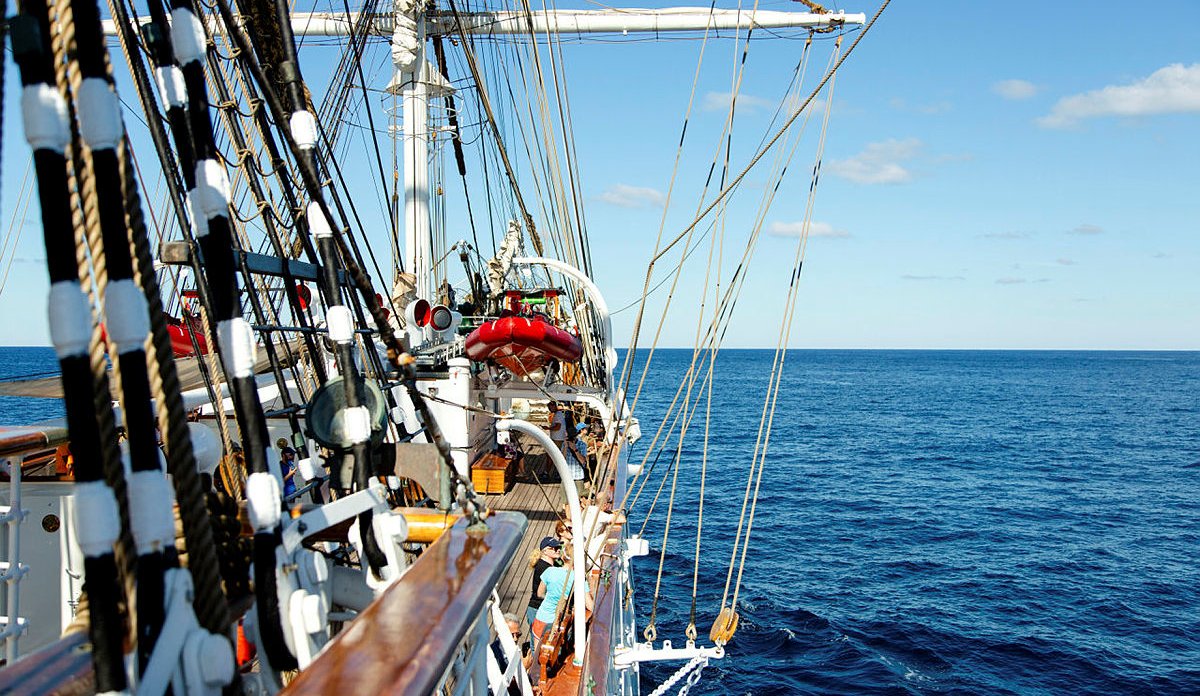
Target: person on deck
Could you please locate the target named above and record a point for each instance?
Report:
(513, 624)
(287, 467)
(558, 426)
(576, 455)
(556, 586)
(562, 532)
(549, 554)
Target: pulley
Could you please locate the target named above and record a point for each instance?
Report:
(724, 627)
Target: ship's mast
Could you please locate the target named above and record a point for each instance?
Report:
(408, 56)
(409, 25)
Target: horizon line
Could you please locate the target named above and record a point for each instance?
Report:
(856, 348)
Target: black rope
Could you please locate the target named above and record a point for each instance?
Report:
(289, 73)
(216, 241)
(140, 426)
(289, 281)
(31, 49)
(397, 350)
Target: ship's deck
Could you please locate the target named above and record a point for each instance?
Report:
(540, 503)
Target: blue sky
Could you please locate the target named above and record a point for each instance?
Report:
(992, 178)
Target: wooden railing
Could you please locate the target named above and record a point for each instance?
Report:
(409, 639)
(605, 624)
(25, 440)
(63, 667)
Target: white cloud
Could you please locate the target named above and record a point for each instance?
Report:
(627, 196)
(1173, 89)
(1086, 230)
(1009, 281)
(1015, 89)
(746, 103)
(795, 229)
(1006, 235)
(1064, 262)
(879, 163)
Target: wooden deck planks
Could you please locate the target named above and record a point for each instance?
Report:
(540, 505)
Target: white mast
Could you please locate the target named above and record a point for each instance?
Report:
(408, 56)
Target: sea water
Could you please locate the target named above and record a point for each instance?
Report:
(971, 522)
(928, 522)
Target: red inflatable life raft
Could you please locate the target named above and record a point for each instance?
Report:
(522, 344)
(178, 331)
(181, 342)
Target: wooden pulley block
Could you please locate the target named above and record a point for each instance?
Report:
(724, 627)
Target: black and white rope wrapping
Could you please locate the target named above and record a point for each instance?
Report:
(127, 323)
(340, 322)
(208, 201)
(303, 129)
(97, 520)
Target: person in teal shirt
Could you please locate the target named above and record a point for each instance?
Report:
(556, 579)
(555, 584)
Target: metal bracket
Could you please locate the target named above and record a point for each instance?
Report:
(330, 514)
(187, 658)
(646, 652)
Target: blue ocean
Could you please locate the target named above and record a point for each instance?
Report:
(968, 522)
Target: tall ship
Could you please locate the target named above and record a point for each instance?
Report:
(339, 385)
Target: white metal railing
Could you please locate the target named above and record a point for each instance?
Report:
(12, 570)
(476, 669)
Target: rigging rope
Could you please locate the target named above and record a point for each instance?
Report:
(13, 232)
(800, 110)
(234, 339)
(396, 349)
(716, 321)
(499, 142)
(776, 376)
(101, 526)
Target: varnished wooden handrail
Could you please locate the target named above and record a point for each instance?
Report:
(16, 440)
(406, 640)
(608, 590)
(63, 667)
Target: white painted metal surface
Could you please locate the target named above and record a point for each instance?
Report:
(47, 550)
(637, 20)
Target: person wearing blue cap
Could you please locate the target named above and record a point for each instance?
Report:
(549, 555)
